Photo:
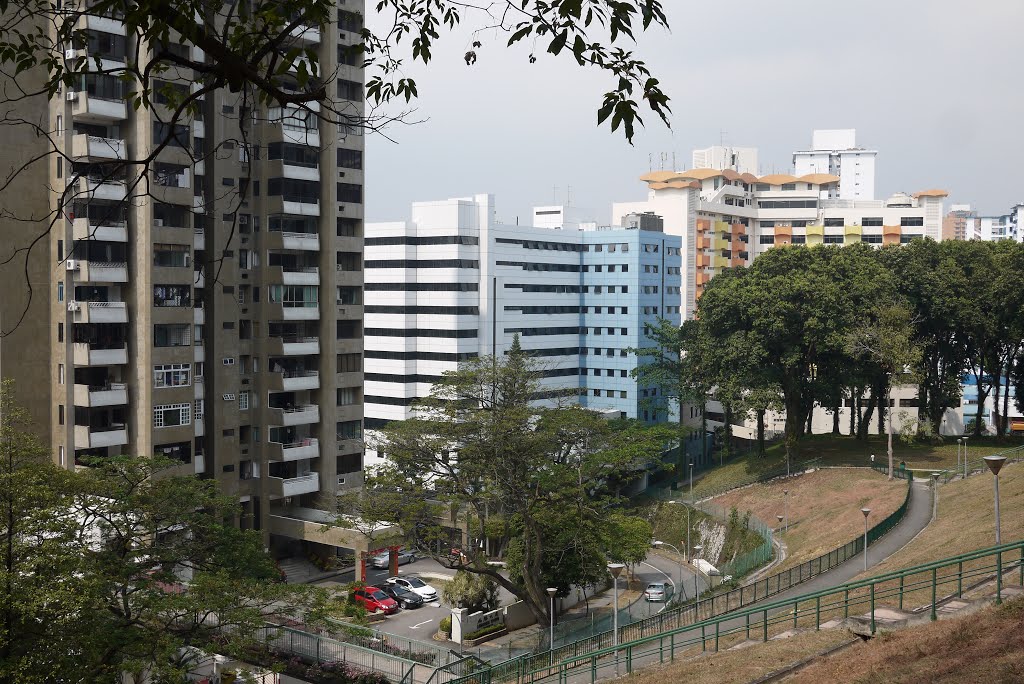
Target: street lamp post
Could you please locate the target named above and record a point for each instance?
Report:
(779, 518)
(615, 569)
(935, 495)
(696, 571)
(965, 456)
(551, 639)
(785, 504)
(658, 542)
(959, 443)
(995, 464)
(866, 512)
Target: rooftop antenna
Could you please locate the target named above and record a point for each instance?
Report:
(721, 137)
(554, 194)
(673, 160)
(568, 195)
(650, 162)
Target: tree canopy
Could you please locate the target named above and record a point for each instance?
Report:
(543, 483)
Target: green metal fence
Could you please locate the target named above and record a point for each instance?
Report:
(384, 642)
(977, 465)
(925, 586)
(706, 608)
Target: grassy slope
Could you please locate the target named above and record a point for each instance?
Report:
(844, 450)
(824, 507)
(987, 646)
(966, 520)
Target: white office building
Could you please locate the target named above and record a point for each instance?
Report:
(836, 153)
(721, 157)
(451, 284)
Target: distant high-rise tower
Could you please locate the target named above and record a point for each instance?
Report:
(835, 152)
(739, 159)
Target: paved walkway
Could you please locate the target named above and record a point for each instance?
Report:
(919, 513)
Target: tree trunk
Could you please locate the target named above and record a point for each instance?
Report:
(853, 412)
(727, 446)
(760, 432)
(888, 426)
(884, 408)
(810, 420)
(865, 418)
(997, 418)
(835, 418)
(794, 421)
(857, 419)
(981, 401)
(1010, 362)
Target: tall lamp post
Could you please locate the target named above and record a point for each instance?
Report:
(995, 464)
(779, 518)
(785, 506)
(696, 553)
(935, 495)
(866, 512)
(615, 569)
(551, 639)
(959, 443)
(965, 456)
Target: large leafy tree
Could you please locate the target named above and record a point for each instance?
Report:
(119, 568)
(544, 482)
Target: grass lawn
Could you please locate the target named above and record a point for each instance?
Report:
(844, 450)
(824, 507)
(987, 646)
(742, 665)
(966, 520)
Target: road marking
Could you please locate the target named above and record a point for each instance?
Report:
(420, 624)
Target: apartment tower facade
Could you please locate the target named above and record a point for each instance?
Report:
(209, 311)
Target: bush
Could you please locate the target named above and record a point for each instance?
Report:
(472, 591)
(446, 625)
(483, 632)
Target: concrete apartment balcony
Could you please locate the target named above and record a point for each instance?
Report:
(293, 275)
(98, 271)
(200, 463)
(300, 171)
(199, 238)
(198, 204)
(307, 483)
(349, 379)
(293, 346)
(281, 312)
(295, 415)
(307, 34)
(300, 135)
(86, 229)
(306, 448)
(104, 24)
(89, 355)
(96, 188)
(199, 352)
(87, 437)
(199, 384)
(112, 394)
(296, 205)
(293, 381)
(277, 239)
(349, 445)
(92, 147)
(99, 312)
(88, 107)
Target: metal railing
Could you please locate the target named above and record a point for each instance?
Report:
(710, 607)
(393, 644)
(976, 465)
(925, 585)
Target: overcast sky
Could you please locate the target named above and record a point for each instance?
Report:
(936, 87)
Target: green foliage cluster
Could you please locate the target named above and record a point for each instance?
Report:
(472, 591)
(830, 325)
(492, 629)
(445, 626)
(116, 568)
(545, 483)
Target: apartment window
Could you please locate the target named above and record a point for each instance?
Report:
(835, 222)
(179, 451)
(172, 295)
(172, 335)
(348, 396)
(871, 239)
(302, 296)
(799, 239)
(294, 190)
(789, 186)
(767, 239)
(834, 240)
(171, 415)
(762, 187)
(350, 159)
(350, 192)
(60, 414)
(60, 332)
(350, 429)
(294, 155)
(349, 21)
(174, 135)
(60, 292)
(912, 221)
(788, 204)
(200, 404)
(172, 375)
(871, 221)
(350, 90)
(243, 400)
(171, 255)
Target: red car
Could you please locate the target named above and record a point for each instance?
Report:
(375, 600)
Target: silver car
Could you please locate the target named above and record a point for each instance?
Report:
(658, 591)
(382, 560)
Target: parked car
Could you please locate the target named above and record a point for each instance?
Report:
(382, 560)
(375, 600)
(415, 585)
(658, 591)
(402, 596)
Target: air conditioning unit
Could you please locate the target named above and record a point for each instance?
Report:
(243, 219)
(158, 223)
(74, 307)
(69, 54)
(71, 95)
(71, 264)
(340, 303)
(341, 481)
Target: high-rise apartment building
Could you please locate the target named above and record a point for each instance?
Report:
(835, 152)
(726, 218)
(960, 223)
(212, 310)
(451, 284)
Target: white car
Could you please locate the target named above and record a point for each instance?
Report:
(416, 586)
